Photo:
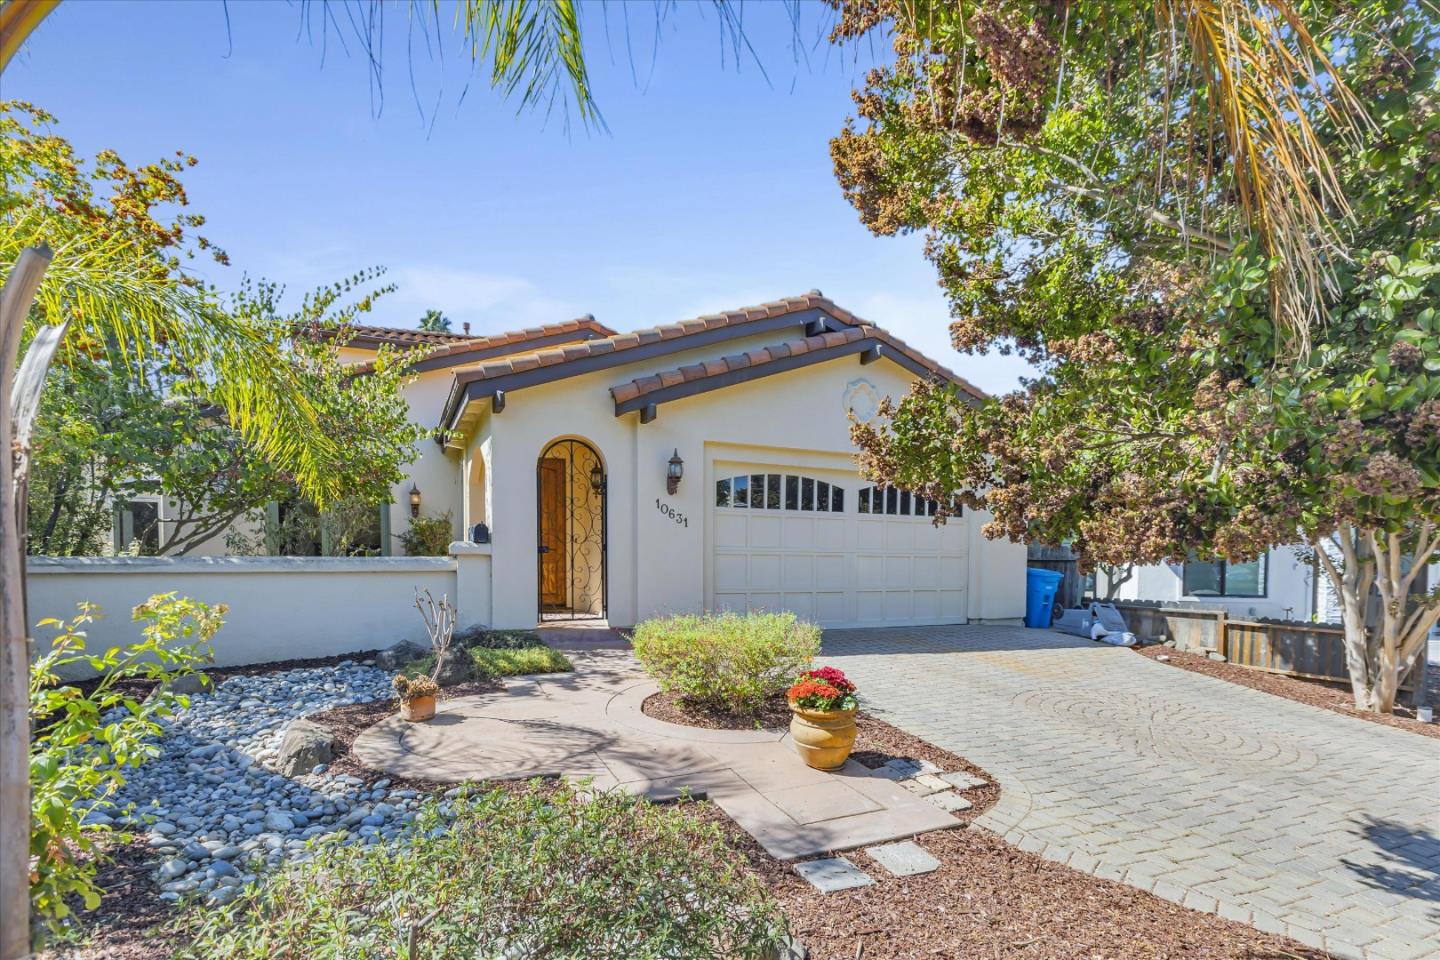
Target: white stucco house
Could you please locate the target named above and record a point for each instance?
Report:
(699, 466)
(703, 465)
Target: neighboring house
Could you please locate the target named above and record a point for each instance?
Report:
(1281, 585)
(704, 465)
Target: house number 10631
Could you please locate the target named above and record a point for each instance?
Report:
(672, 513)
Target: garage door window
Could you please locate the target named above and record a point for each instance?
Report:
(898, 503)
(775, 491)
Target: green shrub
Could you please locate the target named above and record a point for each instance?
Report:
(491, 663)
(728, 662)
(535, 872)
(498, 639)
(428, 536)
(84, 742)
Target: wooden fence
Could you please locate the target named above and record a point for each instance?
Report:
(1314, 651)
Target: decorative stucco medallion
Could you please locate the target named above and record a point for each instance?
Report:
(862, 399)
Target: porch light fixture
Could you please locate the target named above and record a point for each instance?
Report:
(597, 478)
(414, 500)
(673, 472)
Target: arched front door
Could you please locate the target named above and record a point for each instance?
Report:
(571, 536)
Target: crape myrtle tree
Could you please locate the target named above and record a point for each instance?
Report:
(112, 431)
(1226, 270)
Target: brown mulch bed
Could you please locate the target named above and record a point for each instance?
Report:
(774, 714)
(989, 899)
(1335, 697)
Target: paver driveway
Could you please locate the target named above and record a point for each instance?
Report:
(1226, 799)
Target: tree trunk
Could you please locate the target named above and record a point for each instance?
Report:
(15, 300)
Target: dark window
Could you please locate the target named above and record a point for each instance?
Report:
(722, 493)
(822, 495)
(892, 496)
(757, 490)
(865, 500)
(742, 491)
(837, 500)
(772, 491)
(143, 521)
(930, 506)
(905, 503)
(807, 493)
(1220, 578)
(792, 493)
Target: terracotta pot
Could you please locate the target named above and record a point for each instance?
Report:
(823, 737)
(417, 709)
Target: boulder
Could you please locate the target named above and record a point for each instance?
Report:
(305, 746)
(396, 656)
(455, 666)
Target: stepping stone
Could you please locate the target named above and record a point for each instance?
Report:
(924, 784)
(905, 859)
(833, 874)
(897, 770)
(963, 781)
(949, 801)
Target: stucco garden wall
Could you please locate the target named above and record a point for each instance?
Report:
(281, 608)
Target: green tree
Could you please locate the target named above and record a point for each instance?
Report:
(111, 432)
(436, 321)
(1177, 411)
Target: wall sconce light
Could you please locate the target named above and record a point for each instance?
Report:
(597, 479)
(673, 472)
(414, 500)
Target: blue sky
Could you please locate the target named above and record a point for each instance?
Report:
(711, 189)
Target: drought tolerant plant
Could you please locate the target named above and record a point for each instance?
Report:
(538, 871)
(428, 536)
(730, 661)
(86, 739)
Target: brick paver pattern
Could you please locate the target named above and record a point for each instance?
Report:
(1228, 800)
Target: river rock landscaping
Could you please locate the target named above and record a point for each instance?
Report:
(214, 807)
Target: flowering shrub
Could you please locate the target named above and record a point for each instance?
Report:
(408, 688)
(824, 689)
(728, 662)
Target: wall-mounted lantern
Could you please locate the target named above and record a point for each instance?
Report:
(673, 472)
(597, 479)
(414, 500)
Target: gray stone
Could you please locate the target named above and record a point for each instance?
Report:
(221, 868)
(832, 874)
(949, 801)
(279, 822)
(1216, 655)
(904, 859)
(226, 853)
(189, 684)
(789, 948)
(305, 745)
(396, 656)
(962, 781)
(173, 869)
(455, 666)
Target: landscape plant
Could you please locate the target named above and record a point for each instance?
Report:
(544, 870)
(1230, 358)
(88, 736)
(826, 688)
(428, 536)
(729, 662)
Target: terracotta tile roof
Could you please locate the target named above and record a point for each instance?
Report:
(587, 355)
(457, 351)
(403, 336)
(620, 342)
(822, 347)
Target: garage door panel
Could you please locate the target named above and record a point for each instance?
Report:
(798, 571)
(799, 533)
(730, 573)
(834, 567)
(830, 572)
(764, 571)
(764, 531)
(730, 531)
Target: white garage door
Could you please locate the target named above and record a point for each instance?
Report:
(832, 549)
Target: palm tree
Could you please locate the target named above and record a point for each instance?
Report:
(435, 322)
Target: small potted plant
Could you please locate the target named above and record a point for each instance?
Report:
(417, 696)
(822, 721)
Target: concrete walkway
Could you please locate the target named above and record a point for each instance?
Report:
(1229, 800)
(589, 725)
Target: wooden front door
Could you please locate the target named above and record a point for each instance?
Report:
(554, 565)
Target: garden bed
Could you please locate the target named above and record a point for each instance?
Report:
(1335, 697)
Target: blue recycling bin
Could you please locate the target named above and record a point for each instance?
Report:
(1040, 589)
